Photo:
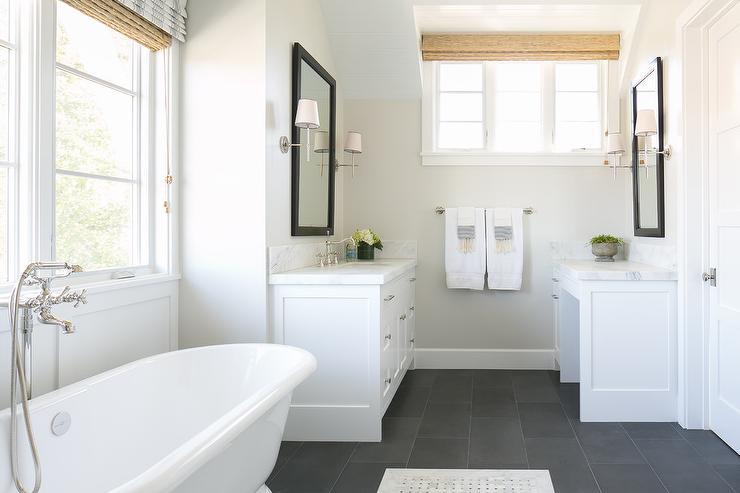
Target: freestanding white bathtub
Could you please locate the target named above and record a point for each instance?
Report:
(199, 420)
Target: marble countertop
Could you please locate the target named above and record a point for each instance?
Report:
(354, 272)
(620, 270)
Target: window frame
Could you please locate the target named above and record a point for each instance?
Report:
(548, 155)
(32, 221)
(437, 104)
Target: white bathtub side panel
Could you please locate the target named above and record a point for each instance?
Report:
(247, 463)
(115, 327)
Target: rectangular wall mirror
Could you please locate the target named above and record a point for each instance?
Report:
(648, 165)
(313, 172)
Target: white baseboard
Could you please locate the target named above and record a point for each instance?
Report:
(485, 359)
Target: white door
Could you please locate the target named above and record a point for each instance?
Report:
(724, 225)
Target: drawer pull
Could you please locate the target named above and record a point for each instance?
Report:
(413, 279)
(555, 279)
(389, 297)
(388, 337)
(403, 317)
(388, 381)
(412, 308)
(412, 340)
(555, 297)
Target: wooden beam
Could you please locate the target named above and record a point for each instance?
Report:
(520, 46)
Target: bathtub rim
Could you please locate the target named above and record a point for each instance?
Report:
(183, 461)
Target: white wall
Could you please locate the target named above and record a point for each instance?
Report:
(222, 134)
(396, 196)
(290, 21)
(656, 37)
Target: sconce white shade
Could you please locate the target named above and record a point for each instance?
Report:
(353, 143)
(614, 144)
(307, 115)
(321, 142)
(646, 124)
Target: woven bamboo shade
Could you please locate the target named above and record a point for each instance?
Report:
(516, 46)
(117, 17)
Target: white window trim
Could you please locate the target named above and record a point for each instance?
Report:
(34, 220)
(430, 156)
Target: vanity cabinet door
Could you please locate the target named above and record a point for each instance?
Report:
(390, 301)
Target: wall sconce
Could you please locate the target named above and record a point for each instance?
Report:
(352, 146)
(321, 146)
(306, 116)
(646, 126)
(615, 149)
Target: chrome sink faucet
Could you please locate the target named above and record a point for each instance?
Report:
(330, 255)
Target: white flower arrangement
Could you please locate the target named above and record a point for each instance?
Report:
(367, 236)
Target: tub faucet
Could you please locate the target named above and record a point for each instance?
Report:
(42, 303)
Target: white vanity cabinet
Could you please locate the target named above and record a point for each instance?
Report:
(358, 319)
(617, 337)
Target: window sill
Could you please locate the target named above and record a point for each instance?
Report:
(563, 159)
(96, 287)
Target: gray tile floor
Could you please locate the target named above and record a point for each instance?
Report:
(497, 419)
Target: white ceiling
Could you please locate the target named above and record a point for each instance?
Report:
(376, 42)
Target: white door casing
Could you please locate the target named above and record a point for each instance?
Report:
(724, 226)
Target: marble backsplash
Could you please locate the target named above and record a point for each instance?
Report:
(290, 257)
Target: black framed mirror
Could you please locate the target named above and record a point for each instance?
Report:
(648, 189)
(313, 171)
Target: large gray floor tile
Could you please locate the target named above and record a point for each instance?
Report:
(446, 420)
(313, 469)
(439, 453)
(573, 479)
(544, 420)
(420, 378)
(500, 379)
(656, 431)
(452, 392)
(711, 447)
(544, 453)
(398, 439)
(536, 393)
(494, 403)
(570, 398)
(731, 474)
(362, 478)
(627, 478)
(607, 443)
(680, 468)
(496, 441)
(409, 402)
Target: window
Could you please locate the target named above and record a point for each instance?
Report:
(515, 107)
(8, 134)
(98, 169)
(460, 106)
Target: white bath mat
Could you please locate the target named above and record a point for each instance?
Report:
(465, 481)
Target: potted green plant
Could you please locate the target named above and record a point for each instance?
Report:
(367, 241)
(605, 247)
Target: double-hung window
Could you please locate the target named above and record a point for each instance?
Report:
(509, 108)
(100, 141)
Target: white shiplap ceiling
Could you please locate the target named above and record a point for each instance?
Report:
(376, 42)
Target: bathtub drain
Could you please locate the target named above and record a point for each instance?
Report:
(61, 423)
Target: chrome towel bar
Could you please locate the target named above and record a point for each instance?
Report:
(526, 210)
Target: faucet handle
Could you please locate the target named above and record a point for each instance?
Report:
(81, 298)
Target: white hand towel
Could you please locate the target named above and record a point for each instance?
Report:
(505, 268)
(465, 270)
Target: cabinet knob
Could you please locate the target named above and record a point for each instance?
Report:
(412, 308)
(412, 340)
(413, 279)
(388, 337)
(388, 381)
(555, 297)
(389, 297)
(403, 317)
(555, 279)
